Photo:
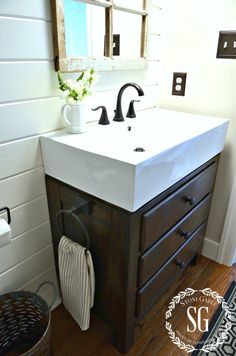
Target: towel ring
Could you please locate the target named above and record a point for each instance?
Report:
(70, 212)
(8, 213)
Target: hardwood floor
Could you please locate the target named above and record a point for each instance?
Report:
(151, 336)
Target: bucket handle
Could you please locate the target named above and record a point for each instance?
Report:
(54, 291)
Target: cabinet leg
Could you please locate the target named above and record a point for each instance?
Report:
(195, 260)
(124, 338)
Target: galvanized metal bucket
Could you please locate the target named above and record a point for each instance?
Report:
(25, 320)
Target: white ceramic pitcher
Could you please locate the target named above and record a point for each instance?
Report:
(75, 117)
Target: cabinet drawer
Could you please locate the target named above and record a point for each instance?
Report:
(167, 213)
(162, 280)
(164, 248)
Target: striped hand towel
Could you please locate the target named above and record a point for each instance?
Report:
(77, 280)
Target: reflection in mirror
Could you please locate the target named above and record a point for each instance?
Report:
(84, 29)
(130, 41)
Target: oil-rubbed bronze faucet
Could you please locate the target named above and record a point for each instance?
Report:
(118, 112)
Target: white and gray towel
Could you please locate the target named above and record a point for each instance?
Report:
(77, 280)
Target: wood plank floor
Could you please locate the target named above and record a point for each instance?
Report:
(151, 336)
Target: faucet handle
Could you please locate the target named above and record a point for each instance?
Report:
(104, 118)
(131, 112)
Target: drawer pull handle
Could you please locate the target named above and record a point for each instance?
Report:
(185, 234)
(190, 200)
(180, 264)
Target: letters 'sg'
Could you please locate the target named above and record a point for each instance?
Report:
(200, 320)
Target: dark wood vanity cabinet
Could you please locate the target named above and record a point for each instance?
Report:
(137, 256)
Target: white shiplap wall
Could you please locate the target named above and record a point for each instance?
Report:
(29, 106)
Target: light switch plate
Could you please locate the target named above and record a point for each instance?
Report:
(226, 44)
(116, 45)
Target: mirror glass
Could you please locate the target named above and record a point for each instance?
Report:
(103, 34)
(130, 41)
(84, 29)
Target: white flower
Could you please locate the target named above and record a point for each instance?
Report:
(89, 92)
(75, 90)
(94, 77)
(70, 83)
(78, 88)
(86, 75)
(65, 93)
(70, 101)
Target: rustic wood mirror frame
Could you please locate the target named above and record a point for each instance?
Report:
(108, 62)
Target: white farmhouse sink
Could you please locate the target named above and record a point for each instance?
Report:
(102, 161)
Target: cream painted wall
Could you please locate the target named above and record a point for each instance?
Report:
(190, 44)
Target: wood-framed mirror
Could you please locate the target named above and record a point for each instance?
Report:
(103, 34)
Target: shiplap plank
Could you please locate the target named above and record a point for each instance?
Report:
(27, 8)
(147, 101)
(109, 100)
(19, 156)
(22, 187)
(37, 117)
(156, 21)
(27, 80)
(34, 39)
(30, 118)
(155, 47)
(153, 73)
(46, 292)
(150, 98)
(24, 246)
(114, 80)
(157, 3)
(27, 216)
(44, 115)
(28, 269)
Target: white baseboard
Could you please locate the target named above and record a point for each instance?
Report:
(48, 296)
(57, 302)
(210, 249)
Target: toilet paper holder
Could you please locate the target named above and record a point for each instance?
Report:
(8, 214)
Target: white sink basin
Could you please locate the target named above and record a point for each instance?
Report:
(102, 161)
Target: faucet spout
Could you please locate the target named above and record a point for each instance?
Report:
(118, 111)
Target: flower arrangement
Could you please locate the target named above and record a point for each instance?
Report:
(76, 90)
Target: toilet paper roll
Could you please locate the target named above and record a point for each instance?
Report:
(5, 233)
